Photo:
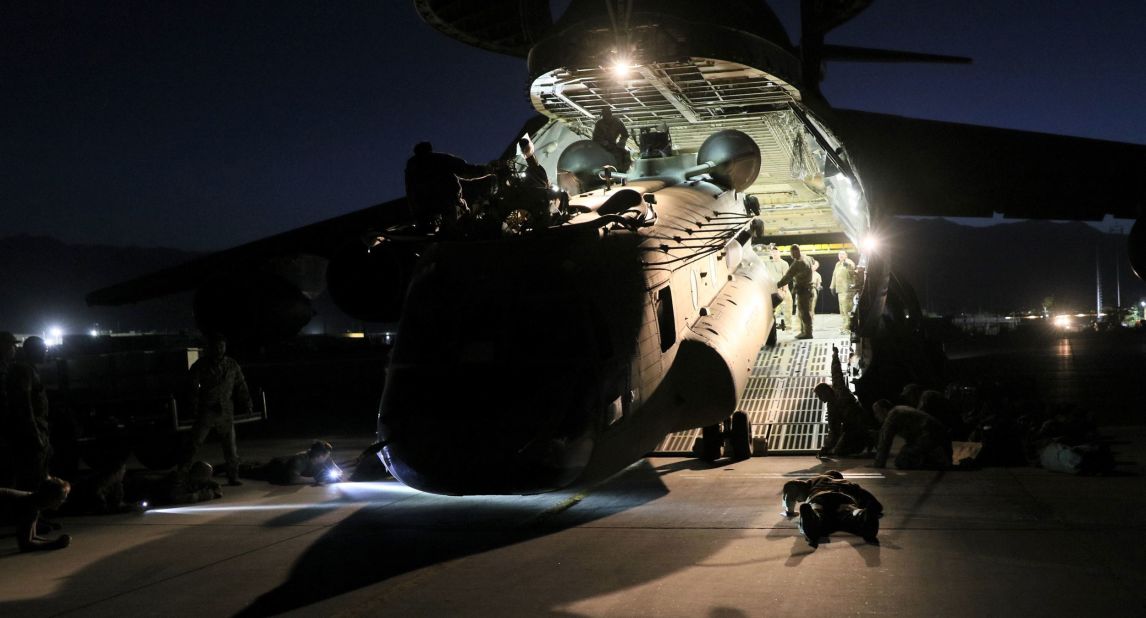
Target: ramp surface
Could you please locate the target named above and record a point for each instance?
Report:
(778, 397)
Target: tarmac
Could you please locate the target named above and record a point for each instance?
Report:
(668, 537)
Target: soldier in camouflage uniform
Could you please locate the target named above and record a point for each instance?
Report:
(218, 388)
(843, 277)
(7, 356)
(26, 423)
(829, 504)
(851, 429)
(25, 507)
(800, 276)
(927, 443)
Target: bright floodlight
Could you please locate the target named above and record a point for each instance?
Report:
(870, 244)
(1062, 321)
(621, 68)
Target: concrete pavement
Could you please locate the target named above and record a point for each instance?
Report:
(669, 537)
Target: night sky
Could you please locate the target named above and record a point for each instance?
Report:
(167, 124)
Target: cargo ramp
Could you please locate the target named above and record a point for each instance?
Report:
(779, 398)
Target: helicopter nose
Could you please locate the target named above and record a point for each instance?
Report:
(463, 439)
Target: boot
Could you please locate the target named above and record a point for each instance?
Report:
(810, 525)
(869, 525)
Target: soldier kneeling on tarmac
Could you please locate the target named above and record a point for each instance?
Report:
(25, 506)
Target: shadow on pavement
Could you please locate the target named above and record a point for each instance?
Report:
(370, 546)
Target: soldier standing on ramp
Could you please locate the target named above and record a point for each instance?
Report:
(800, 275)
(842, 279)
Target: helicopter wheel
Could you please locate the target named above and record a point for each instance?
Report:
(711, 439)
(741, 436)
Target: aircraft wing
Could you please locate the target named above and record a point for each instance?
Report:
(929, 168)
(320, 239)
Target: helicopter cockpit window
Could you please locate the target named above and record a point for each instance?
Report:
(655, 141)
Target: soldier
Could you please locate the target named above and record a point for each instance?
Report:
(27, 425)
(180, 486)
(800, 276)
(830, 503)
(756, 228)
(843, 277)
(315, 463)
(26, 507)
(611, 134)
(926, 441)
(540, 191)
(434, 188)
(817, 284)
(777, 267)
(7, 356)
(850, 427)
(218, 388)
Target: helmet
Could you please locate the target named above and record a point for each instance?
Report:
(200, 472)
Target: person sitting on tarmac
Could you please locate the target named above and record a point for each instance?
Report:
(828, 503)
(315, 464)
(25, 508)
(183, 485)
(927, 444)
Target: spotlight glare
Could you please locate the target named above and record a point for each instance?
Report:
(621, 68)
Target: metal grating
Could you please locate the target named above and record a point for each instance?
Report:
(695, 98)
(778, 396)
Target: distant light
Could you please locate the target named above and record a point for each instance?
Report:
(93, 332)
(55, 336)
(621, 68)
(1062, 321)
(144, 504)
